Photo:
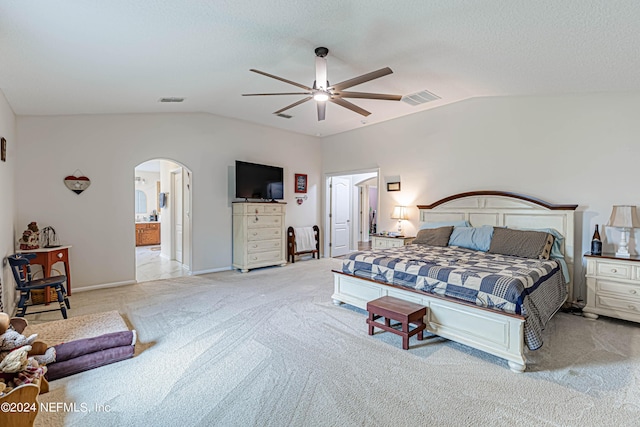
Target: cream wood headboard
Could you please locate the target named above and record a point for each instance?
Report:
(502, 209)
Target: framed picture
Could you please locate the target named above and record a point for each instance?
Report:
(301, 183)
(393, 186)
(3, 149)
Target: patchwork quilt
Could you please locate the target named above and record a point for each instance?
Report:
(532, 288)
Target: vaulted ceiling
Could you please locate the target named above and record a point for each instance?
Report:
(117, 56)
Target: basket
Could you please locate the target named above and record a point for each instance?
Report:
(38, 295)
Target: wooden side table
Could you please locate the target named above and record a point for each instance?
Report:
(47, 257)
(613, 287)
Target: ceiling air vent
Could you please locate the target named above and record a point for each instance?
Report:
(284, 116)
(420, 98)
(171, 99)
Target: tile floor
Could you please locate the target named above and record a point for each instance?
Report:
(151, 266)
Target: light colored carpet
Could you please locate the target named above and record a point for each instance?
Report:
(269, 348)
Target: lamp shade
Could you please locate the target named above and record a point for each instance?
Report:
(399, 212)
(624, 217)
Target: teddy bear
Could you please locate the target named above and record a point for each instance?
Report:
(30, 237)
(11, 338)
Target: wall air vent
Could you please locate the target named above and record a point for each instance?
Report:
(420, 98)
(284, 116)
(171, 99)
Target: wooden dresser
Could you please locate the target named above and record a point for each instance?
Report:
(147, 233)
(258, 235)
(613, 287)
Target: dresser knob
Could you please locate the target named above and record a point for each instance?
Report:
(613, 270)
(632, 307)
(633, 291)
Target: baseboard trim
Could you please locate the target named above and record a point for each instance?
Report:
(213, 270)
(104, 285)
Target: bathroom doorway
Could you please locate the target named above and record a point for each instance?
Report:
(162, 220)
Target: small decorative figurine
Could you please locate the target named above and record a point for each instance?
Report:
(30, 237)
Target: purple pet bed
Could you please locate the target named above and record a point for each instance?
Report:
(84, 354)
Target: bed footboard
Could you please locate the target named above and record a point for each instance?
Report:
(495, 333)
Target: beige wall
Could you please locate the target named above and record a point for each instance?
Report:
(107, 148)
(9, 229)
(563, 149)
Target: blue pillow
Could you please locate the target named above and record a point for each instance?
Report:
(476, 238)
(430, 225)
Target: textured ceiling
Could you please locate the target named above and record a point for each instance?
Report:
(86, 57)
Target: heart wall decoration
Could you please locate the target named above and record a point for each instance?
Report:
(77, 184)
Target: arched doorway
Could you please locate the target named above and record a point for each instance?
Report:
(163, 219)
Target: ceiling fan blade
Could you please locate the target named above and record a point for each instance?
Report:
(284, 93)
(345, 94)
(281, 79)
(322, 108)
(321, 73)
(294, 104)
(346, 104)
(362, 79)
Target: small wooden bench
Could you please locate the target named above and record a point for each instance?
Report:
(401, 311)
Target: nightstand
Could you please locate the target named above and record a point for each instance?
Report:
(382, 242)
(613, 287)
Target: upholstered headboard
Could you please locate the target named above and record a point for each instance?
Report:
(502, 209)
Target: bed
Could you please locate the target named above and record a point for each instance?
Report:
(483, 300)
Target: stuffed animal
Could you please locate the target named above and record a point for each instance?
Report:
(16, 361)
(11, 339)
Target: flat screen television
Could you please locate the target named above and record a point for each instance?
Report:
(255, 181)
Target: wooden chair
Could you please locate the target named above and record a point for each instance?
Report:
(291, 244)
(21, 269)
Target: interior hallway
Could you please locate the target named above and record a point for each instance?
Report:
(151, 266)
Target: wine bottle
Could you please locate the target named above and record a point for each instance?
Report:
(596, 243)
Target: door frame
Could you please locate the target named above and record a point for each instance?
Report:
(326, 201)
(187, 203)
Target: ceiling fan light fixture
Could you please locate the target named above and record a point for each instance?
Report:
(321, 96)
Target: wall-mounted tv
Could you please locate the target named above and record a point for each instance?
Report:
(255, 181)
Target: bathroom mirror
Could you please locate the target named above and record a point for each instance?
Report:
(141, 202)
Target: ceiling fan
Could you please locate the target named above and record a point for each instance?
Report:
(322, 91)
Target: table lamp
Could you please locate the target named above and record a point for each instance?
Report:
(399, 213)
(624, 218)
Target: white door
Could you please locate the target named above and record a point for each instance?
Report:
(340, 216)
(177, 215)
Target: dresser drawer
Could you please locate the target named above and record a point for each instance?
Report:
(264, 234)
(265, 257)
(614, 270)
(254, 221)
(629, 306)
(263, 245)
(396, 243)
(622, 289)
(379, 243)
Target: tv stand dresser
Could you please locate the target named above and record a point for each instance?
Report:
(258, 235)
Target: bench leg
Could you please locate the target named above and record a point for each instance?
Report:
(370, 322)
(405, 335)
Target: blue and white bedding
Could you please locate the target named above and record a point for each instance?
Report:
(532, 288)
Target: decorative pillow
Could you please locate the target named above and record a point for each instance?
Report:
(521, 243)
(476, 238)
(434, 236)
(556, 249)
(429, 225)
